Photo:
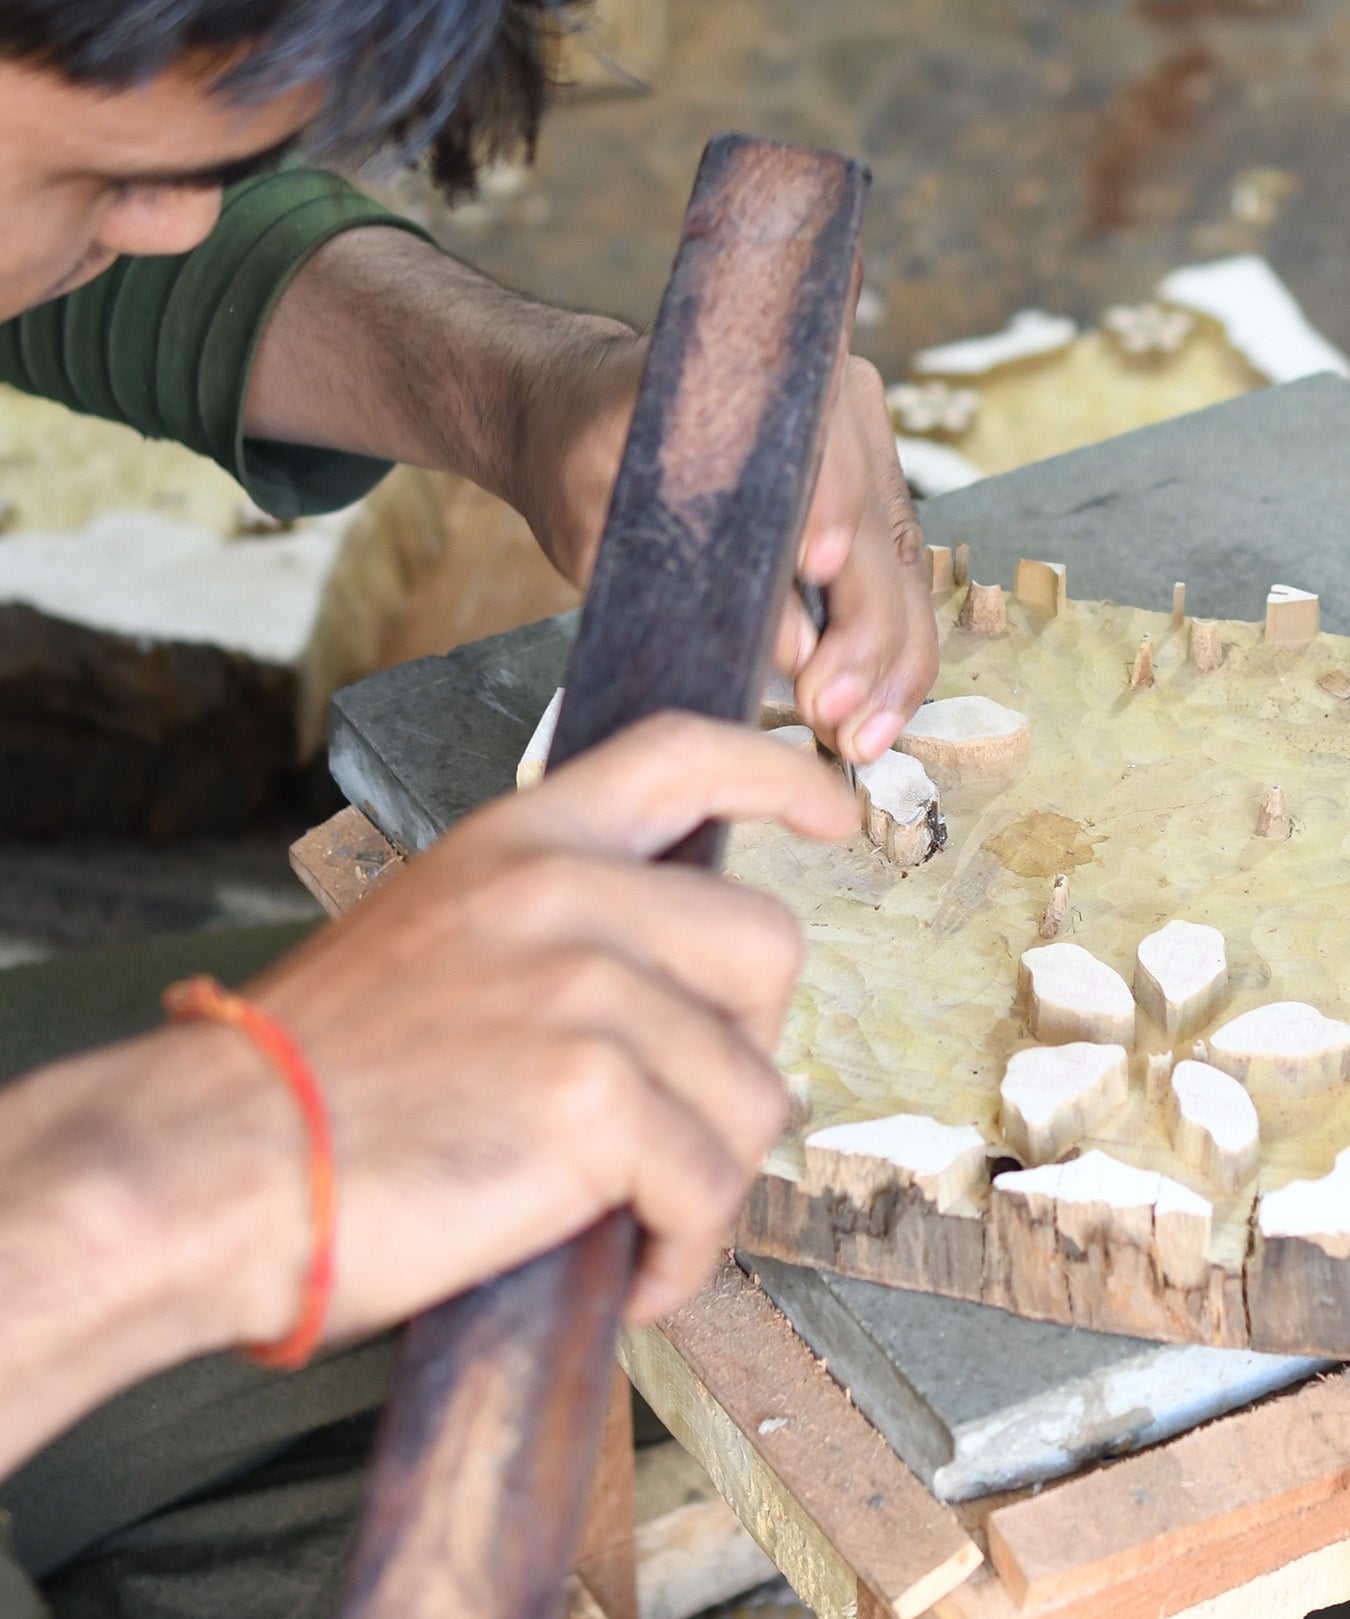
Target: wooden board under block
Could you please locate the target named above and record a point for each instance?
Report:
(908, 1004)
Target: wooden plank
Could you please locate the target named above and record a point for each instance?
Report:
(606, 1560)
(810, 1478)
(1260, 1488)
(341, 860)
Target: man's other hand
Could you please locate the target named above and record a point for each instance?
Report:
(532, 1025)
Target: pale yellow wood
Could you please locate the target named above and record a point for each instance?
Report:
(983, 612)
(1206, 644)
(1283, 1049)
(1042, 585)
(1336, 683)
(1178, 604)
(965, 739)
(1141, 670)
(1053, 1096)
(1291, 615)
(1318, 1211)
(1213, 1124)
(941, 568)
(1181, 976)
(1319, 1580)
(1070, 995)
(1056, 915)
(619, 45)
(1272, 820)
(900, 807)
(945, 1163)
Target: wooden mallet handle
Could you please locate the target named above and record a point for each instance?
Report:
(481, 1469)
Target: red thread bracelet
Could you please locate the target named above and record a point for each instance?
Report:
(203, 997)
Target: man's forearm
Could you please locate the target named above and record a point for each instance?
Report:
(143, 1192)
(385, 346)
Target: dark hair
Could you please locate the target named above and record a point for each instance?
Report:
(462, 80)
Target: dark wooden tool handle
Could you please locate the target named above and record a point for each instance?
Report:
(491, 1435)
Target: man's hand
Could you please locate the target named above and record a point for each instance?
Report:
(862, 681)
(532, 1025)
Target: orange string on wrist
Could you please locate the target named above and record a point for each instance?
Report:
(203, 997)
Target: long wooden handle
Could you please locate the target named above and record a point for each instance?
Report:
(480, 1473)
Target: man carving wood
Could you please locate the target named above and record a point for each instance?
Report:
(532, 1025)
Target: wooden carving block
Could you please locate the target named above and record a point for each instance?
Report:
(1098, 1203)
(901, 812)
(530, 770)
(1317, 1212)
(1181, 977)
(858, 1161)
(1206, 645)
(1285, 1049)
(1213, 1124)
(983, 612)
(1291, 615)
(1041, 584)
(1070, 995)
(961, 739)
(1054, 1095)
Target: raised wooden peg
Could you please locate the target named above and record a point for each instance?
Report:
(1213, 1124)
(1181, 977)
(1291, 615)
(1284, 1049)
(960, 739)
(1052, 1096)
(1178, 604)
(961, 564)
(902, 814)
(983, 612)
(944, 1163)
(1272, 821)
(1141, 670)
(1206, 645)
(1070, 995)
(1042, 585)
(1056, 908)
(940, 568)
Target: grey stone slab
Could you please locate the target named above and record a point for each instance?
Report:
(976, 1400)
(1232, 500)
(422, 744)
